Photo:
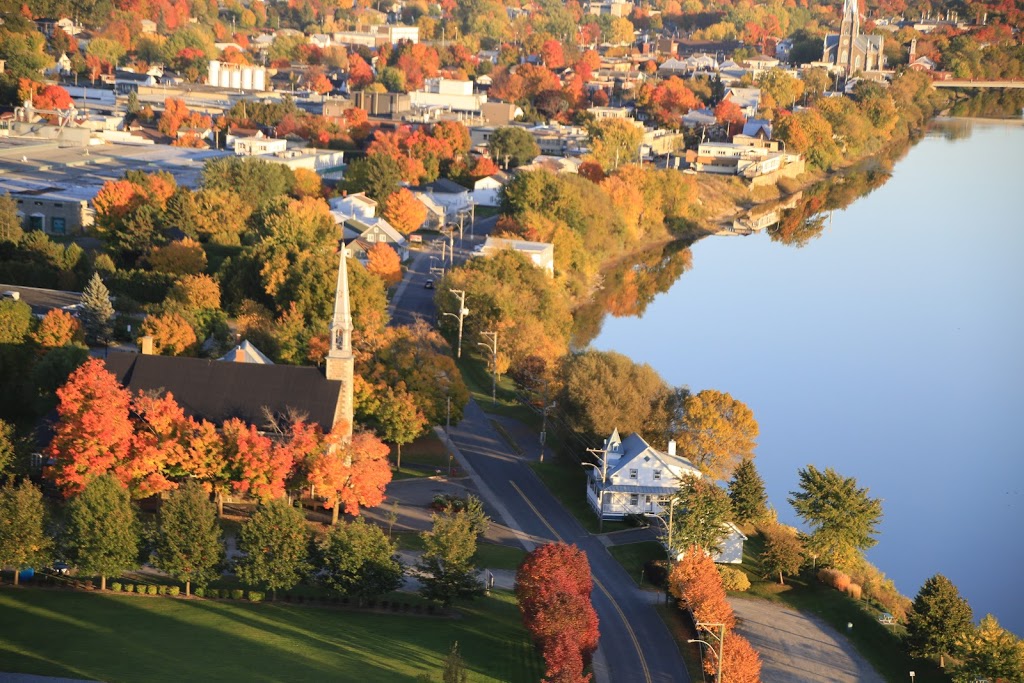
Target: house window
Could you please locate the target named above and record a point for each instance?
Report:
(35, 222)
(634, 499)
(57, 225)
(633, 474)
(647, 500)
(371, 238)
(657, 474)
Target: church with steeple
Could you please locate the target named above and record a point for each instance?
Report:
(247, 385)
(850, 50)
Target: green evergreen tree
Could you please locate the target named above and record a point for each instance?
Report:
(189, 546)
(939, 617)
(23, 540)
(15, 321)
(102, 531)
(989, 652)
(746, 491)
(9, 449)
(449, 546)
(842, 517)
(97, 311)
(454, 668)
(357, 560)
(275, 541)
(701, 511)
(377, 174)
(133, 108)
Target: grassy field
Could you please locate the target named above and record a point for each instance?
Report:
(478, 379)
(137, 638)
(568, 482)
(634, 556)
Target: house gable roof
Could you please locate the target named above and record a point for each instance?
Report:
(637, 453)
(217, 390)
(445, 186)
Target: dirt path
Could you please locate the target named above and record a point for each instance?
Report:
(799, 648)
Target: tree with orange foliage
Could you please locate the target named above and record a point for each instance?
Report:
(52, 97)
(729, 112)
(161, 437)
(172, 334)
(697, 585)
(116, 199)
(307, 183)
(670, 100)
(551, 54)
(317, 81)
(258, 467)
(740, 661)
(93, 431)
(404, 212)
(58, 328)
(360, 74)
(382, 260)
(507, 86)
(184, 257)
(175, 112)
(350, 474)
(483, 167)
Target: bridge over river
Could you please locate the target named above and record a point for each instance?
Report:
(977, 83)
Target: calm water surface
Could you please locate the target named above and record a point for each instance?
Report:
(890, 348)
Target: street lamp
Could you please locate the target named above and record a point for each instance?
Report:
(463, 312)
(912, 674)
(712, 648)
(721, 643)
(493, 348)
(668, 525)
(603, 471)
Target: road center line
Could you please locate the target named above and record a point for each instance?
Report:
(618, 610)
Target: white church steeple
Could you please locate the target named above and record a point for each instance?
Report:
(340, 364)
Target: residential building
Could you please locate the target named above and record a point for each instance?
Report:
(259, 144)
(356, 205)
(376, 231)
(613, 8)
(487, 190)
(128, 81)
(540, 254)
(449, 194)
(633, 478)
(747, 99)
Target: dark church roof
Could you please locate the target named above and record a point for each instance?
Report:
(219, 390)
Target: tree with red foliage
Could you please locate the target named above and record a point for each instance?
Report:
(553, 586)
(317, 81)
(116, 199)
(93, 431)
(696, 583)
(360, 74)
(670, 100)
(483, 167)
(258, 467)
(728, 112)
(52, 97)
(162, 435)
(592, 171)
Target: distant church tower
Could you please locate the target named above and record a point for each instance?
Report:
(340, 361)
(848, 32)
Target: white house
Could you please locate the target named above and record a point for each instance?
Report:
(731, 544)
(449, 194)
(259, 144)
(540, 254)
(633, 478)
(747, 99)
(487, 190)
(374, 231)
(356, 205)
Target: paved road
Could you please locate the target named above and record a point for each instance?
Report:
(635, 645)
(799, 648)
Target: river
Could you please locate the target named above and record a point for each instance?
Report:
(890, 348)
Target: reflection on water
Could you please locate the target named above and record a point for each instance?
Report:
(887, 346)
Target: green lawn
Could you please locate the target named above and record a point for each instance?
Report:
(478, 379)
(136, 638)
(567, 481)
(879, 644)
(634, 556)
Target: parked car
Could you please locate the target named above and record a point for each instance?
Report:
(429, 284)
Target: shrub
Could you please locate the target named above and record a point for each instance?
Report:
(174, 590)
(255, 596)
(237, 594)
(152, 590)
(116, 587)
(656, 572)
(834, 578)
(161, 590)
(88, 584)
(140, 588)
(199, 592)
(734, 579)
(128, 588)
(854, 591)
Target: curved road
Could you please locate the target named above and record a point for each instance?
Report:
(635, 644)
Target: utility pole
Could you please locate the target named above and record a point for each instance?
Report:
(463, 312)
(493, 348)
(604, 480)
(721, 643)
(544, 420)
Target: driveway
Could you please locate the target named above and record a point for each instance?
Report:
(798, 648)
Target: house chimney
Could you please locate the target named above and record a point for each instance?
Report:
(672, 447)
(146, 345)
(239, 355)
(344, 193)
